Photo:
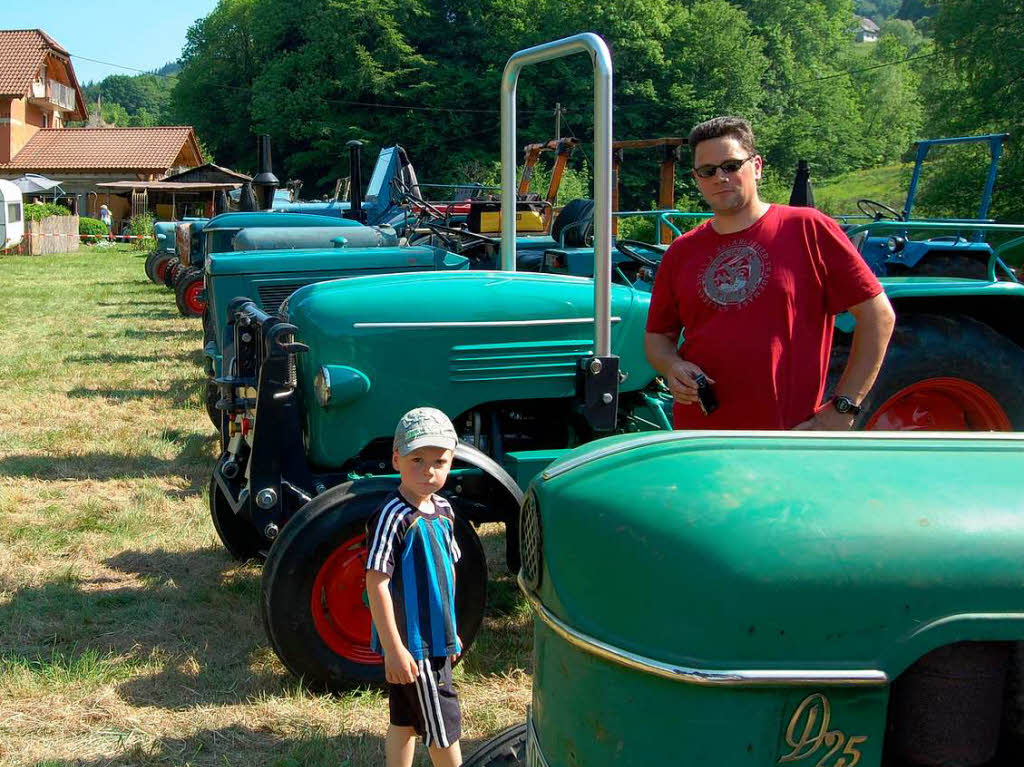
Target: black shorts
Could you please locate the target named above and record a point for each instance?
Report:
(429, 705)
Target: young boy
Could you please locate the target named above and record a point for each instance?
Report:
(410, 582)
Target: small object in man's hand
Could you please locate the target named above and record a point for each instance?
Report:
(706, 395)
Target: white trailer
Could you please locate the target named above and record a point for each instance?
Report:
(12, 215)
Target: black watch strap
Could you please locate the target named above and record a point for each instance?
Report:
(845, 405)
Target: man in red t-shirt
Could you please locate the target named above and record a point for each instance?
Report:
(754, 291)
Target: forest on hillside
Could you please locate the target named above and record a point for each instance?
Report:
(425, 74)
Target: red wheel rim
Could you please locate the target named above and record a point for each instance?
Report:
(340, 615)
(161, 269)
(940, 404)
(194, 297)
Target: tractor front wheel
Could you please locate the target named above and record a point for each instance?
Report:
(943, 373)
(151, 262)
(506, 749)
(188, 293)
(160, 268)
(313, 600)
(239, 537)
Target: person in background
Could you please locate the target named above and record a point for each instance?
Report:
(754, 291)
(107, 219)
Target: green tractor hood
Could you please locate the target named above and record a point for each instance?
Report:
(447, 340)
(338, 262)
(754, 551)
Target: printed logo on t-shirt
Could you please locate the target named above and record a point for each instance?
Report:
(735, 275)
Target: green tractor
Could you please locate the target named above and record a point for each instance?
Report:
(528, 365)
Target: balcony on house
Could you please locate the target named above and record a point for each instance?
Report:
(53, 94)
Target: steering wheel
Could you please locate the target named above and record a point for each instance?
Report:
(878, 211)
(629, 248)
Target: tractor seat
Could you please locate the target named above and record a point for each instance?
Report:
(574, 225)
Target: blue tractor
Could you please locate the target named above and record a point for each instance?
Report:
(945, 255)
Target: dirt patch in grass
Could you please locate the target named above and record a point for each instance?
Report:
(127, 635)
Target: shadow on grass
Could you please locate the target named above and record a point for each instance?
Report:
(133, 302)
(240, 746)
(146, 314)
(112, 358)
(194, 461)
(193, 616)
(181, 392)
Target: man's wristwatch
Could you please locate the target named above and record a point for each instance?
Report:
(845, 405)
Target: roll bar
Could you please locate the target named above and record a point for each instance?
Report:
(589, 43)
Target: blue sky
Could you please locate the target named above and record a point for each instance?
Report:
(141, 34)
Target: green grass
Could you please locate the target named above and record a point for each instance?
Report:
(127, 635)
(838, 195)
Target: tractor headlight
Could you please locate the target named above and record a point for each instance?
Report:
(322, 386)
(895, 244)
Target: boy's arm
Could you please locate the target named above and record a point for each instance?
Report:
(399, 665)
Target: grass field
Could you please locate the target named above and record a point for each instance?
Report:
(127, 634)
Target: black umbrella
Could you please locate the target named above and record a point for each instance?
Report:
(803, 193)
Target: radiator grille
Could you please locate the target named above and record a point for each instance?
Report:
(272, 296)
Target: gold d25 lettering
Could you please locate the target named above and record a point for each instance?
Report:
(809, 736)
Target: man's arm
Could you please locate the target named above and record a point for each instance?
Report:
(399, 665)
(679, 374)
(875, 321)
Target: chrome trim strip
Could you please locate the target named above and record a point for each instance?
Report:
(705, 678)
(682, 436)
(482, 324)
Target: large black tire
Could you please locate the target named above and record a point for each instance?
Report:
(239, 537)
(318, 530)
(160, 265)
(506, 749)
(186, 295)
(151, 261)
(956, 347)
(172, 262)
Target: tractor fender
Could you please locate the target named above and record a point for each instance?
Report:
(495, 498)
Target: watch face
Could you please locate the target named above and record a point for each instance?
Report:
(842, 404)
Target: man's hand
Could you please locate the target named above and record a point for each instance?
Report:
(682, 381)
(827, 419)
(454, 658)
(400, 667)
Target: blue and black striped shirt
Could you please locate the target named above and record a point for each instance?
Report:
(418, 551)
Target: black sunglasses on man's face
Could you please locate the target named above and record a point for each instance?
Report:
(729, 166)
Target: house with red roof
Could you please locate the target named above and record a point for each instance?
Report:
(40, 95)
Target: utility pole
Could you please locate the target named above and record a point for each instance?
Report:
(558, 120)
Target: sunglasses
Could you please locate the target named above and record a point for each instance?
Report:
(729, 166)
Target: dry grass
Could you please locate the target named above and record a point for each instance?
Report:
(127, 635)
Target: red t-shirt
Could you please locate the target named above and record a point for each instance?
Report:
(755, 308)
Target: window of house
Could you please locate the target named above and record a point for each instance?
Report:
(46, 121)
(13, 212)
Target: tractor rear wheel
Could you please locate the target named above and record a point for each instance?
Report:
(168, 277)
(506, 749)
(313, 597)
(239, 537)
(942, 373)
(188, 293)
(151, 261)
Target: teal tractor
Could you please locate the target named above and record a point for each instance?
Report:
(528, 364)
